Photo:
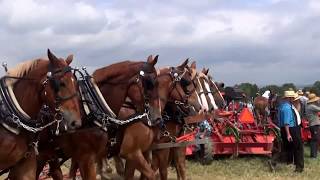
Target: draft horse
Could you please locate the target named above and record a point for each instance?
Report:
(176, 125)
(117, 82)
(24, 90)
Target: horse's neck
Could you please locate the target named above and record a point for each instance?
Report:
(28, 97)
(114, 95)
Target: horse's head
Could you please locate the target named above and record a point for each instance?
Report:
(144, 92)
(214, 89)
(176, 84)
(203, 89)
(59, 91)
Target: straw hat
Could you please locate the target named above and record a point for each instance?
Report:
(290, 94)
(313, 98)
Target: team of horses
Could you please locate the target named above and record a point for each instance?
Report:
(49, 121)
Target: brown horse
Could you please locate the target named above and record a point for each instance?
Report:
(261, 109)
(116, 82)
(35, 83)
(174, 88)
(162, 157)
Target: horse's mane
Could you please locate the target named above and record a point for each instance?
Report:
(23, 69)
(112, 71)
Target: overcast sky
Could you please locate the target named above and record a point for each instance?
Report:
(257, 41)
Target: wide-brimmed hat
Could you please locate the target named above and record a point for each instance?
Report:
(313, 98)
(290, 94)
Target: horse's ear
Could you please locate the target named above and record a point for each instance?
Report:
(69, 59)
(193, 65)
(184, 64)
(152, 61)
(51, 56)
(205, 71)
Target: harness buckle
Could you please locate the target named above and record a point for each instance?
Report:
(113, 141)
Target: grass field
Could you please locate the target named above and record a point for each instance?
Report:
(249, 167)
(246, 168)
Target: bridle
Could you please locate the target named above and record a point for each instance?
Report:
(216, 89)
(141, 77)
(177, 77)
(51, 79)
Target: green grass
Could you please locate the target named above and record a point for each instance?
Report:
(250, 167)
(246, 168)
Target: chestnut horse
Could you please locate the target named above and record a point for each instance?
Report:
(175, 87)
(134, 80)
(261, 106)
(35, 83)
(208, 92)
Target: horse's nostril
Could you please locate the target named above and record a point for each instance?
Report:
(73, 124)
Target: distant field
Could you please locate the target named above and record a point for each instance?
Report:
(246, 168)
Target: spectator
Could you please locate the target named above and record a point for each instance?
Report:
(312, 110)
(289, 122)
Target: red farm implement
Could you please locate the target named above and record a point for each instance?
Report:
(237, 133)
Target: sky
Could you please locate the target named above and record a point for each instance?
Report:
(256, 41)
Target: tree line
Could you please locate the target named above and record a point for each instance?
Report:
(251, 90)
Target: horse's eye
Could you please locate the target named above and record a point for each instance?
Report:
(184, 82)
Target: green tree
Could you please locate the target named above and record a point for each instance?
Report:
(250, 89)
(288, 86)
(315, 88)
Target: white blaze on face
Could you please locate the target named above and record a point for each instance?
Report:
(213, 102)
(203, 97)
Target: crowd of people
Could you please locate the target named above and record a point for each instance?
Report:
(289, 112)
(293, 107)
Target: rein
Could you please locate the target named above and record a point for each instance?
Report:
(184, 98)
(58, 100)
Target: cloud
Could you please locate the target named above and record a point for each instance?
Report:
(257, 41)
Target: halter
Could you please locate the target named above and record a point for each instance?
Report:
(216, 88)
(140, 77)
(56, 85)
(176, 77)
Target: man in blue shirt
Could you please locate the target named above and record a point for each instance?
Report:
(289, 122)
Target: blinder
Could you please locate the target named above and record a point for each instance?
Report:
(56, 83)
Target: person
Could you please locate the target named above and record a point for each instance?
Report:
(312, 110)
(303, 100)
(289, 122)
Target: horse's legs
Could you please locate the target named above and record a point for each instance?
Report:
(258, 116)
(40, 166)
(147, 156)
(129, 170)
(163, 158)
(25, 169)
(119, 165)
(55, 170)
(87, 167)
(180, 162)
(73, 169)
(137, 160)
